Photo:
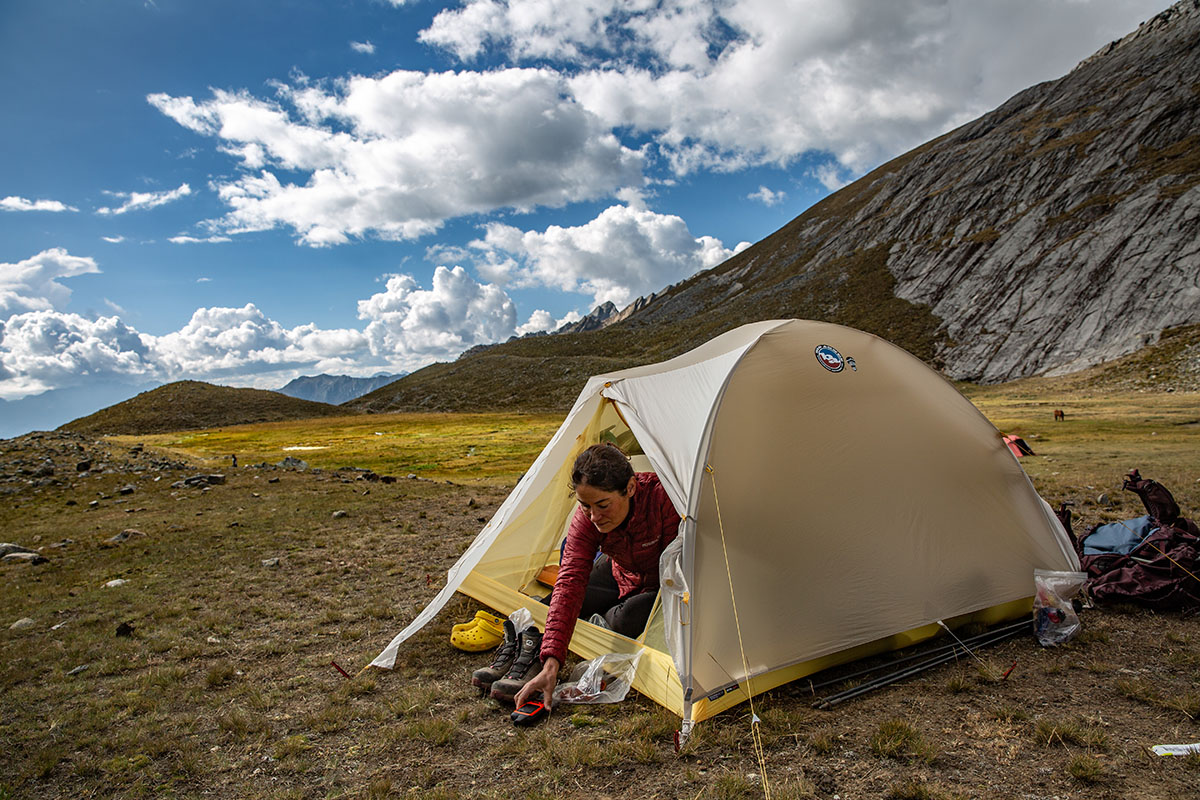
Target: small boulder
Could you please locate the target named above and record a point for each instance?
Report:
(21, 624)
(123, 535)
(115, 582)
(270, 562)
(9, 547)
(340, 514)
(29, 558)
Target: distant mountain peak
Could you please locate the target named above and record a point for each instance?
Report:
(336, 389)
(599, 317)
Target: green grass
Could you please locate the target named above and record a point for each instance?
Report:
(1086, 769)
(898, 739)
(489, 447)
(1065, 732)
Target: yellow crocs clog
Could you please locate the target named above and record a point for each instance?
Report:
(496, 621)
(482, 633)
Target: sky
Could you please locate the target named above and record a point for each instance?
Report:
(244, 192)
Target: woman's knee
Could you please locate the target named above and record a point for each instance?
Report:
(629, 617)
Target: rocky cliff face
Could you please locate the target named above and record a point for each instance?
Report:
(1060, 230)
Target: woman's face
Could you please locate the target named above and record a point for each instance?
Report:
(607, 510)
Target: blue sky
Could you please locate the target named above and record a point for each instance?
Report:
(244, 192)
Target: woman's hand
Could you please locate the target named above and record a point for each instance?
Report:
(543, 682)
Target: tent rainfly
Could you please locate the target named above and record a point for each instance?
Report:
(839, 499)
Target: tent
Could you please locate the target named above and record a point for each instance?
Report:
(1018, 446)
(836, 491)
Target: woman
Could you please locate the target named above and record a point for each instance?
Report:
(628, 517)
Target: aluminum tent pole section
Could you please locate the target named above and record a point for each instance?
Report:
(688, 533)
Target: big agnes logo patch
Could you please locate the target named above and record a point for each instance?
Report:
(830, 358)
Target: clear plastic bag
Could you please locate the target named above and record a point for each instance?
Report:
(521, 619)
(1054, 618)
(602, 680)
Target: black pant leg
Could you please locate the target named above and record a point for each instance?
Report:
(602, 592)
(629, 617)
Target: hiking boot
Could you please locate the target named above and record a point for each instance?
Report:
(524, 666)
(501, 664)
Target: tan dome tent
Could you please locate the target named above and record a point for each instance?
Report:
(844, 490)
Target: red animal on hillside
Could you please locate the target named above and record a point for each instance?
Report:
(1059, 415)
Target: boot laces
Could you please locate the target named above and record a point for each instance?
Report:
(525, 657)
(504, 653)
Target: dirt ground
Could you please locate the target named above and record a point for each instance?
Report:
(213, 671)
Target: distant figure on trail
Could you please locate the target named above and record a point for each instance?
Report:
(234, 458)
(627, 517)
(1059, 415)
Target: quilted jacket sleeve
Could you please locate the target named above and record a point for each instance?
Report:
(583, 540)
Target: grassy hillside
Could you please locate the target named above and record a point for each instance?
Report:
(545, 373)
(187, 405)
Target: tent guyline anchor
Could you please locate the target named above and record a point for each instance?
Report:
(943, 655)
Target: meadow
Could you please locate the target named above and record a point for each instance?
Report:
(491, 447)
(216, 668)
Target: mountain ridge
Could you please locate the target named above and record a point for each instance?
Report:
(1057, 231)
(335, 389)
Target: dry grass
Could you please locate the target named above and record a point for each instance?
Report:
(225, 687)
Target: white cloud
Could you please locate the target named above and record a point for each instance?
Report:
(621, 254)
(405, 327)
(366, 48)
(113, 239)
(542, 320)
(408, 324)
(33, 284)
(203, 280)
(766, 196)
(231, 341)
(14, 203)
(195, 240)
(727, 84)
(41, 350)
(397, 155)
(136, 201)
(832, 176)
